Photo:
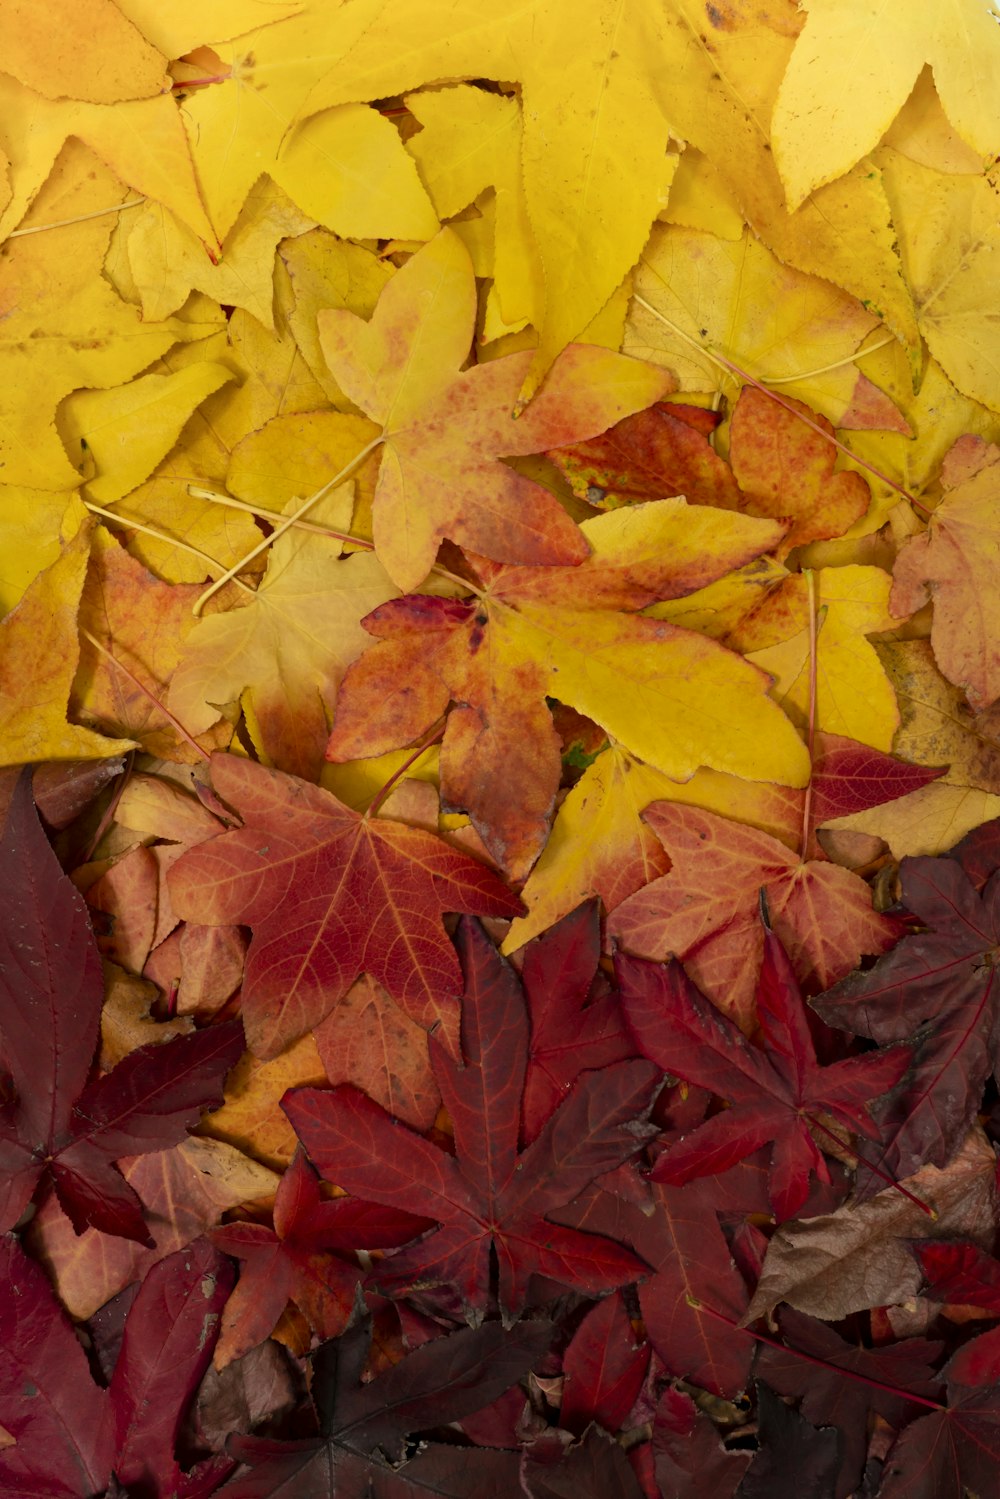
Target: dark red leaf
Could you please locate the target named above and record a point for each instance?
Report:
(603, 1369)
(793, 1457)
(960, 1273)
(486, 1195)
(595, 1468)
(691, 1462)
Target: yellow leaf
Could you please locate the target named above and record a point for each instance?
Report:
(471, 140)
(182, 25)
(734, 298)
(32, 522)
(293, 456)
(251, 1117)
(38, 656)
(349, 170)
(853, 67)
(126, 431)
(289, 647)
(64, 326)
(699, 199)
(79, 49)
(168, 261)
(853, 694)
(142, 141)
(937, 725)
(949, 238)
(929, 821)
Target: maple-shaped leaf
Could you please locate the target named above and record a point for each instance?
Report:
(59, 1125)
(444, 428)
(308, 1257)
(776, 1090)
(952, 562)
(573, 634)
(705, 911)
(838, 1383)
(576, 1019)
(488, 1195)
(71, 1436)
(956, 1449)
(362, 1427)
(603, 1369)
(693, 1298)
(941, 982)
(330, 894)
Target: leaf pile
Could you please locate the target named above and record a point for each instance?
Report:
(499, 771)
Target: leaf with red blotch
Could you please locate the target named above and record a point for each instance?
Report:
(441, 1381)
(957, 1448)
(839, 1383)
(705, 911)
(576, 1020)
(51, 990)
(330, 894)
(694, 1299)
(308, 1257)
(689, 1457)
(487, 1195)
(656, 453)
(72, 1435)
(961, 1274)
(603, 1369)
(776, 1090)
(943, 977)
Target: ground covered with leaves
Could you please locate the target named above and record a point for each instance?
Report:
(499, 749)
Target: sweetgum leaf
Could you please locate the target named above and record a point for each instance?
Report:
(51, 990)
(603, 1369)
(329, 894)
(775, 1090)
(488, 1195)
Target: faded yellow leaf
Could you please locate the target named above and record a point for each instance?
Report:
(33, 525)
(328, 272)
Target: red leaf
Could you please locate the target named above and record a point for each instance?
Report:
(329, 894)
(51, 991)
(960, 1273)
(943, 976)
(486, 1195)
(776, 1090)
(603, 1368)
(691, 1461)
(568, 1035)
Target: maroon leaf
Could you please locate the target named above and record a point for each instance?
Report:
(793, 1457)
(603, 1369)
(51, 992)
(308, 1257)
(592, 1469)
(362, 1428)
(839, 1383)
(943, 977)
(775, 1090)
(486, 1196)
(569, 1035)
(690, 1460)
(70, 1435)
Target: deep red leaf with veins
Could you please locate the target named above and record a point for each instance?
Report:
(568, 1035)
(70, 1435)
(695, 1298)
(944, 977)
(486, 1195)
(775, 1090)
(603, 1369)
(959, 1273)
(51, 992)
(329, 895)
(308, 1257)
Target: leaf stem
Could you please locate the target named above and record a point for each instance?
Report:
(838, 364)
(287, 523)
(184, 546)
(98, 213)
(199, 493)
(426, 740)
(202, 754)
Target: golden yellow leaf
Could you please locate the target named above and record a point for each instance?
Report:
(168, 261)
(328, 272)
(79, 49)
(33, 523)
(288, 647)
(142, 141)
(119, 436)
(853, 694)
(853, 67)
(929, 821)
(293, 456)
(38, 656)
(183, 24)
(251, 1117)
(349, 169)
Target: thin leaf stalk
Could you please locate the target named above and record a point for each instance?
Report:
(120, 665)
(432, 735)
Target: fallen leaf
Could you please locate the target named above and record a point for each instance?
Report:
(378, 892)
(368, 1040)
(250, 1118)
(603, 1369)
